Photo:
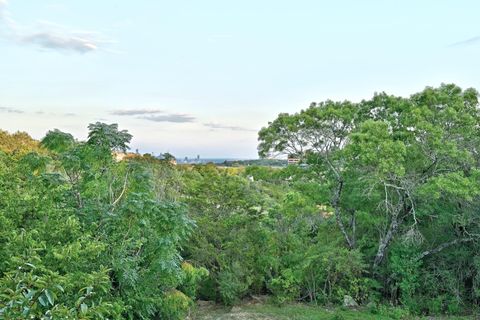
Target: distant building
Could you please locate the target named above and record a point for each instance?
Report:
(293, 159)
(119, 156)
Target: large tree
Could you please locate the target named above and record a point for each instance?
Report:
(392, 159)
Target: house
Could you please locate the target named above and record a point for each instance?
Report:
(293, 159)
(120, 156)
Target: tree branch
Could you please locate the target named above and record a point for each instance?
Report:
(121, 193)
(443, 246)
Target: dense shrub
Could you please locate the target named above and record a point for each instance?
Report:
(86, 237)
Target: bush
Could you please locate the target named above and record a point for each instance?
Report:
(285, 287)
(232, 284)
(175, 305)
(192, 279)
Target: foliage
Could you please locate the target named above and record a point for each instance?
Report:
(192, 278)
(402, 178)
(383, 208)
(86, 237)
(175, 305)
(18, 143)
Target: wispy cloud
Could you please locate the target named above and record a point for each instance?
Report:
(135, 112)
(47, 35)
(225, 127)
(62, 40)
(10, 110)
(54, 114)
(176, 118)
(467, 42)
(155, 115)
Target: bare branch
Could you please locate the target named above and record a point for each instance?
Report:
(443, 246)
(121, 193)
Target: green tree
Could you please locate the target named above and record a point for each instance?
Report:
(378, 155)
(58, 141)
(107, 137)
(87, 237)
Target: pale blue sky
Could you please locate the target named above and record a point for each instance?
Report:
(202, 77)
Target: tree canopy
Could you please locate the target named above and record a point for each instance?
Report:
(382, 211)
(380, 155)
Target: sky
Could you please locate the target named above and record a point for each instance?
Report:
(201, 78)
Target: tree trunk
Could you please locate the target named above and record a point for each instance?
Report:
(78, 196)
(385, 241)
(338, 214)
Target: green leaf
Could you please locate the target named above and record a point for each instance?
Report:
(49, 296)
(83, 308)
(89, 290)
(43, 300)
(79, 301)
(25, 312)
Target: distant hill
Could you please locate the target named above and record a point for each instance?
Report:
(255, 162)
(229, 162)
(203, 160)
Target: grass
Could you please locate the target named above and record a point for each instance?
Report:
(299, 312)
(303, 312)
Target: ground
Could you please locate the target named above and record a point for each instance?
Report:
(263, 311)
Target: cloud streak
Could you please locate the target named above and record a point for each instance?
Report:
(61, 40)
(48, 36)
(226, 127)
(467, 42)
(10, 110)
(135, 112)
(155, 115)
(175, 118)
